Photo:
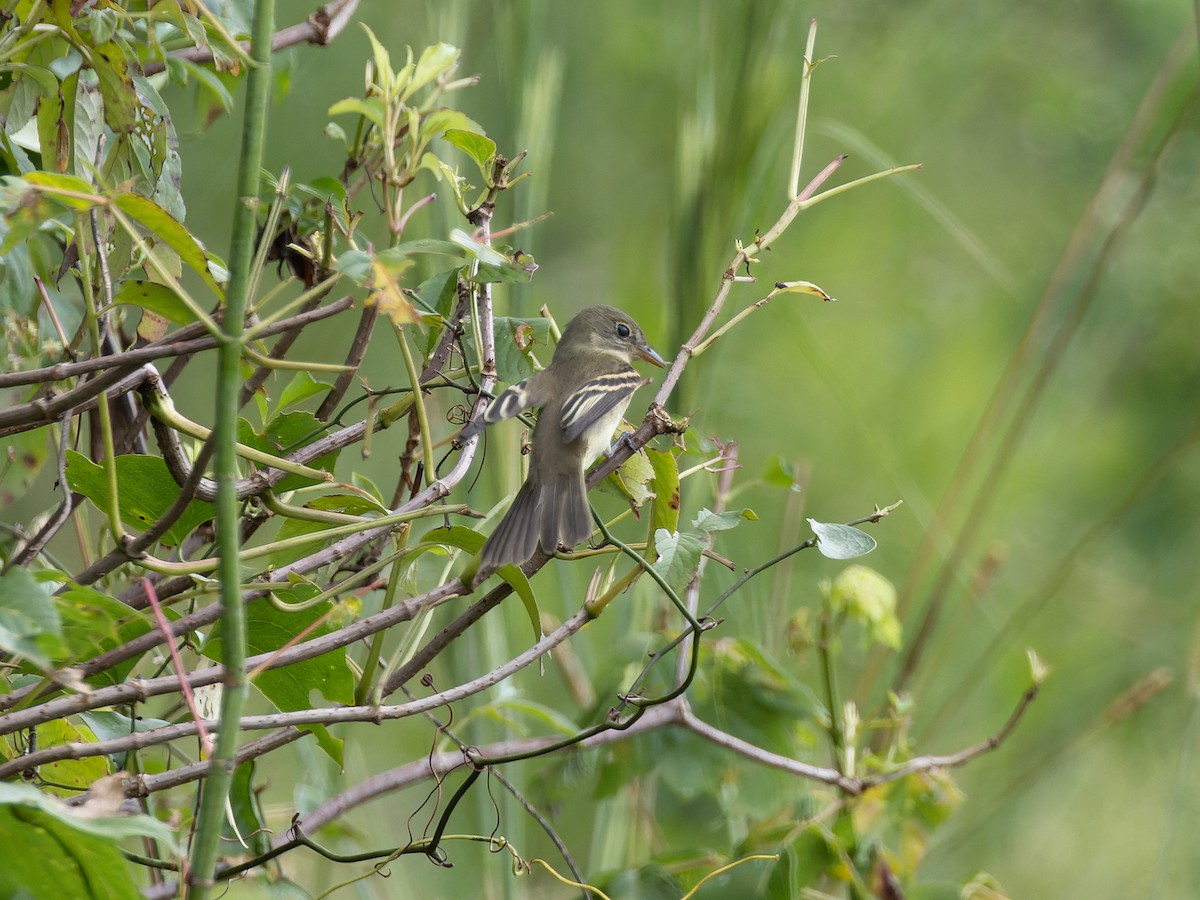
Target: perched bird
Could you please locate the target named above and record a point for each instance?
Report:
(582, 395)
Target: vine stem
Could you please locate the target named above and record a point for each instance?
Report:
(215, 793)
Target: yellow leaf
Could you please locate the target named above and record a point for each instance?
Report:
(387, 294)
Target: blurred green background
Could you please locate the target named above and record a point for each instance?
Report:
(658, 134)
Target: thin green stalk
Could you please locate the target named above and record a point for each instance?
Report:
(362, 691)
(837, 733)
(215, 794)
(112, 507)
(418, 401)
(802, 111)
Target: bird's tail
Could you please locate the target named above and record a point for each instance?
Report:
(548, 513)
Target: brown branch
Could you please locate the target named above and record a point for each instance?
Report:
(278, 351)
(354, 358)
(189, 339)
(145, 785)
(962, 757)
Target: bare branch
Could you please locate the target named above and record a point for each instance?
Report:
(320, 28)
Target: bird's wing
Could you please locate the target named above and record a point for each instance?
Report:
(589, 403)
(523, 395)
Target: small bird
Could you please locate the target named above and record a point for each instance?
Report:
(582, 395)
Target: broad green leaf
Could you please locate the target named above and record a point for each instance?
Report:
(73, 775)
(244, 803)
(285, 434)
(841, 541)
(356, 504)
(29, 622)
(166, 228)
(438, 293)
(486, 255)
(145, 491)
(300, 388)
(157, 298)
(371, 108)
(267, 629)
(435, 61)
(294, 528)
(635, 478)
(479, 147)
(27, 451)
(517, 269)
(121, 106)
(665, 512)
(93, 623)
(64, 855)
(107, 725)
(756, 697)
(54, 134)
(472, 542)
(517, 341)
(780, 473)
(207, 80)
(678, 557)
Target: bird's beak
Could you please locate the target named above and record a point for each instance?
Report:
(646, 352)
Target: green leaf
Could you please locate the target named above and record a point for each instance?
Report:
(73, 775)
(479, 147)
(207, 80)
(757, 698)
(94, 623)
(64, 855)
(709, 521)
(146, 489)
(517, 340)
(372, 109)
(300, 388)
(665, 512)
(244, 804)
(472, 542)
(157, 298)
(24, 454)
(283, 435)
(29, 622)
(841, 541)
(635, 478)
(121, 106)
(166, 228)
(780, 473)
(865, 595)
(437, 293)
(293, 528)
(435, 61)
(678, 557)
(267, 629)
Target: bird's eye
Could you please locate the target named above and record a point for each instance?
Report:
(622, 329)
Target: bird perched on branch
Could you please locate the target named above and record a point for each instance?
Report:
(582, 395)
